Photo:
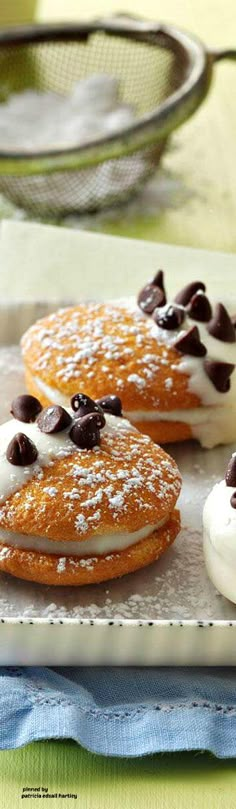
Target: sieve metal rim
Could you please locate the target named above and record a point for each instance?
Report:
(149, 129)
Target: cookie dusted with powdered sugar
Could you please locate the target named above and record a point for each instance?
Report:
(84, 497)
(173, 363)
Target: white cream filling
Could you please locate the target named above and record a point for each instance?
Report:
(98, 545)
(198, 415)
(219, 539)
(53, 395)
(50, 448)
(209, 425)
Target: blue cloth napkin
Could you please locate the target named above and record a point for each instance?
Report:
(121, 712)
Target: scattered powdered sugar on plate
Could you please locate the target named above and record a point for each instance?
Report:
(12, 375)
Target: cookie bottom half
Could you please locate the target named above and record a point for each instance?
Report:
(162, 432)
(165, 432)
(76, 571)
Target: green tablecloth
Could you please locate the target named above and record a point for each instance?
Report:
(186, 781)
(194, 204)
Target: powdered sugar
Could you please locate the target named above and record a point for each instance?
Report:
(51, 491)
(117, 501)
(169, 383)
(137, 380)
(80, 524)
(61, 566)
(91, 110)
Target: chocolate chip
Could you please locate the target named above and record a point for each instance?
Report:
(85, 431)
(111, 404)
(185, 294)
(82, 405)
(21, 451)
(221, 325)
(171, 318)
(199, 308)
(230, 476)
(191, 344)
(233, 500)
(53, 419)
(219, 373)
(150, 297)
(25, 408)
(158, 281)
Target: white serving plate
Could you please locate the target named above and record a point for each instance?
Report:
(169, 613)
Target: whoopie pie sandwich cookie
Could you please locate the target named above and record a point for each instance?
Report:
(84, 497)
(173, 363)
(219, 532)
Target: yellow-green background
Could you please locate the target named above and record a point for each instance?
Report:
(198, 208)
(198, 179)
(184, 781)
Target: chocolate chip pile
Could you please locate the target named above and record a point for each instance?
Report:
(193, 302)
(230, 479)
(84, 430)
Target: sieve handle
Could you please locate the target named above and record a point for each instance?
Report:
(229, 53)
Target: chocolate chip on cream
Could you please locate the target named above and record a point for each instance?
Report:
(184, 296)
(111, 404)
(26, 408)
(221, 325)
(170, 317)
(233, 500)
(230, 475)
(53, 419)
(83, 405)
(190, 343)
(85, 432)
(150, 297)
(219, 373)
(199, 308)
(158, 281)
(21, 451)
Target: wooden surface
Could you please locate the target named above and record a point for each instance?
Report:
(193, 203)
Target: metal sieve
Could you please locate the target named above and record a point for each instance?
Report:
(164, 72)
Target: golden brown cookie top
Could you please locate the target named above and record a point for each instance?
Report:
(106, 348)
(68, 492)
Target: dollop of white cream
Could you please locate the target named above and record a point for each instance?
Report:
(50, 448)
(99, 544)
(219, 539)
(217, 350)
(214, 421)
